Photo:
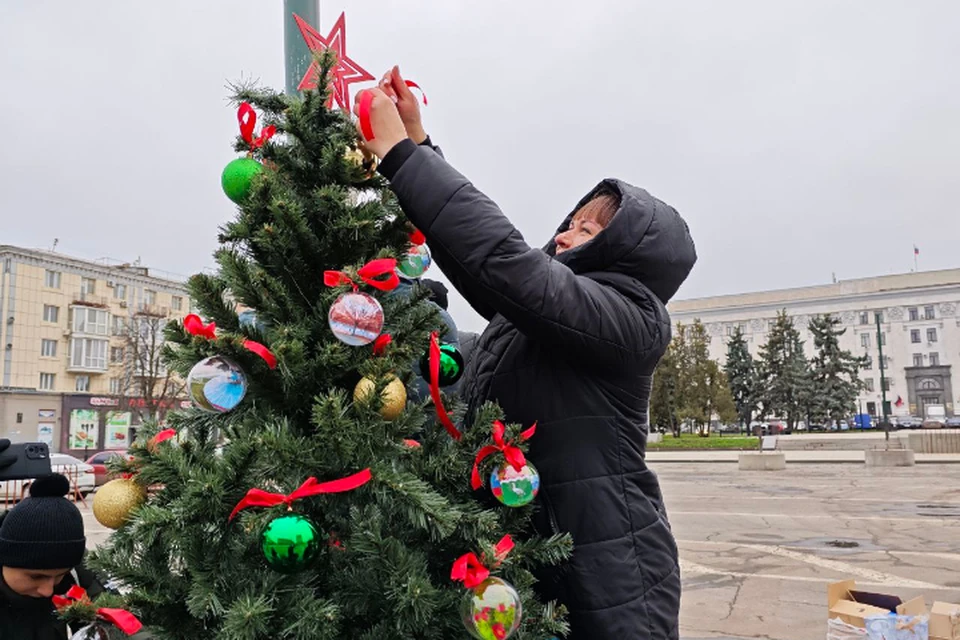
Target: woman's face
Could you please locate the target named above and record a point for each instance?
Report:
(590, 219)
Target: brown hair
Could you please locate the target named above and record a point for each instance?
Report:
(601, 207)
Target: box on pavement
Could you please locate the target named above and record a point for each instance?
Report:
(945, 621)
(853, 607)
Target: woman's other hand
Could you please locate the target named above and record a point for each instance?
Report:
(388, 129)
(407, 103)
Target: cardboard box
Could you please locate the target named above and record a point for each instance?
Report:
(844, 601)
(945, 621)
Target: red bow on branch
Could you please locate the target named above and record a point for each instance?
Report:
(470, 570)
(195, 327)
(511, 452)
(381, 343)
(123, 620)
(248, 121)
(442, 414)
(369, 273)
(261, 498)
(163, 436)
(417, 237)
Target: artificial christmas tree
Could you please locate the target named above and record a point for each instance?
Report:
(371, 560)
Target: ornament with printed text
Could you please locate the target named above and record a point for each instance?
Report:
(356, 318)
(217, 384)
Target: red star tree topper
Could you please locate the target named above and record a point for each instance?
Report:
(344, 73)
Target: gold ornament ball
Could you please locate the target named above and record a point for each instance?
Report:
(394, 396)
(114, 501)
(365, 160)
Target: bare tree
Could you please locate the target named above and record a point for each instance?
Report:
(151, 388)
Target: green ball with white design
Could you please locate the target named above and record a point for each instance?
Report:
(290, 543)
(238, 176)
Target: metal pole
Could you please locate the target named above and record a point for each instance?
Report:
(883, 384)
(297, 56)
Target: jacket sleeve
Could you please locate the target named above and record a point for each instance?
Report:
(458, 278)
(543, 298)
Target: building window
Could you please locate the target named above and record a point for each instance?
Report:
(116, 386)
(47, 381)
(120, 291)
(918, 359)
(88, 286)
(872, 408)
(913, 314)
(149, 296)
(86, 353)
(915, 336)
(865, 340)
(934, 359)
(864, 317)
(51, 279)
(119, 326)
(868, 362)
(48, 348)
(91, 321)
(929, 312)
(886, 384)
(878, 316)
(83, 383)
(177, 303)
(868, 384)
(931, 335)
(883, 338)
(885, 363)
(117, 355)
(51, 313)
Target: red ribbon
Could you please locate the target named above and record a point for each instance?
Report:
(123, 620)
(163, 436)
(363, 112)
(512, 453)
(381, 343)
(470, 570)
(195, 327)
(261, 351)
(417, 237)
(442, 414)
(414, 85)
(369, 274)
(261, 498)
(248, 121)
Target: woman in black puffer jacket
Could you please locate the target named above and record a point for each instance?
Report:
(575, 333)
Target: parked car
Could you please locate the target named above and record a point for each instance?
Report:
(99, 463)
(933, 423)
(78, 472)
(909, 422)
(952, 422)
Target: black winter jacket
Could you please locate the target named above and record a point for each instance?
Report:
(572, 344)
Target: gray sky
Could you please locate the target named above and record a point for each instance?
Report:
(799, 138)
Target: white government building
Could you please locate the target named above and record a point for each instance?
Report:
(920, 327)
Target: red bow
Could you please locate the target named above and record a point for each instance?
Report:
(195, 327)
(123, 620)
(414, 85)
(163, 436)
(412, 444)
(470, 570)
(512, 453)
(417, 237)
(261, 351)
(261, 498)
(442, 414)
(368, 273)
(248, 120)
(381, 343)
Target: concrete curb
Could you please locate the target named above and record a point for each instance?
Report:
(792, 457)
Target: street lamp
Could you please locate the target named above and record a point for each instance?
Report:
(297, 55)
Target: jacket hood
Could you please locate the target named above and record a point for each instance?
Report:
(647, 240)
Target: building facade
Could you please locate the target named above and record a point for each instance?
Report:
(919, 330)
(73, 331)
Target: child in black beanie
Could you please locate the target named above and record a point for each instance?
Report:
(41, 552)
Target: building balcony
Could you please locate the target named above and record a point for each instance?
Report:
(96, 369)
(152, 310)
(82, 298)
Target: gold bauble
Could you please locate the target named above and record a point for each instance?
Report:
(363, 159)
(394, 396)
(113, 502)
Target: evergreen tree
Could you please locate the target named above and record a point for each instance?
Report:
(742, 377)
(705, 392)
(784, 385)
(384, 569)
(835, 372)
(664, 399)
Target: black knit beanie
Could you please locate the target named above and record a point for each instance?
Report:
(44, 531)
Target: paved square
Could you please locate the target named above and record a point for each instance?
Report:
(759, 548)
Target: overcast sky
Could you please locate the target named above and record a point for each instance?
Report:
(799, 138)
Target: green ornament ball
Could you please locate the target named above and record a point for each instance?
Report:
(451, 365)
(290, 543)
(238, 177)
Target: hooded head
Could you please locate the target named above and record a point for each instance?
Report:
(645, 239)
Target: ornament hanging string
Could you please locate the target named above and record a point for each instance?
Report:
(442, 414)
(511, 452)
(248, 121)
(123, 620)
(369, 273)
(470, 570)
(381, 343)
(195, 327)
(261, 498)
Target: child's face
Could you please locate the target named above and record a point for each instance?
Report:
(33, 583)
